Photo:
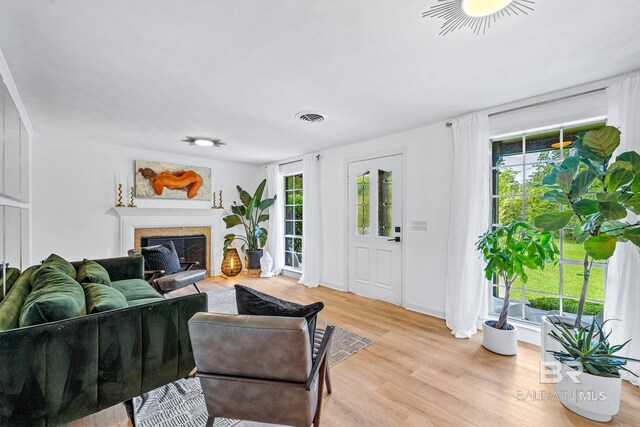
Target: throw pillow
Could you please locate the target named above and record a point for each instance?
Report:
(7, 282)
(103, 298)
(92, 272)
(250, 301)
(58, 262)
(163, 257)
(54, 296)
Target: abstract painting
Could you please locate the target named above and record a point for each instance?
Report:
(158, 180)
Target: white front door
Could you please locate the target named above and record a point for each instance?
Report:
(375, 228)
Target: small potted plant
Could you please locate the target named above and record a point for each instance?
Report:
(508, 252)
(597, 196)
(590, 383)
(250, 214)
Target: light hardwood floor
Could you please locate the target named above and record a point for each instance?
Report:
(415, 373)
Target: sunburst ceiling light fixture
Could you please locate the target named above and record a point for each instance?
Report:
(475, 14)
(203, 141)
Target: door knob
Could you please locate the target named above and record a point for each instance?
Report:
(395, 239)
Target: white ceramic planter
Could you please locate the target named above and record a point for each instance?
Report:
(546, 342)
(500, 341)
(595, 398)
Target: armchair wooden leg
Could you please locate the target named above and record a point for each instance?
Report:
(211, 421)
(321, 378)
(328, 380)
(197, 288)
(328, 376)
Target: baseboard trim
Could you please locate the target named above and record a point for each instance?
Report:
(425, 310)
(333, 286)
(289, 273)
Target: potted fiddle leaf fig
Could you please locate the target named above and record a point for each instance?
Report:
(590, 383)
(508, 252)
(250, 214)
(597, 196)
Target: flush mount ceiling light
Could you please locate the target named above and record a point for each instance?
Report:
(203, 141)
(311, 116)
(476, 14)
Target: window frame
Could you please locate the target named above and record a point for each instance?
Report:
(494, 285)
(292, 236)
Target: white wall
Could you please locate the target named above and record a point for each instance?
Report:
(74, 189)
(428, 160)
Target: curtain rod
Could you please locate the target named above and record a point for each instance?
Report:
(295, 161)
(537, 104)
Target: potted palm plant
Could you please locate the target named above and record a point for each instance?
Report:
(250, 214)
(596, 195)
(508, 252)
(590, 383)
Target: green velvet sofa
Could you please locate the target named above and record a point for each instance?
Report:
(53, 373)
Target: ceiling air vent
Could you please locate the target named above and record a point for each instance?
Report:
(311, 116)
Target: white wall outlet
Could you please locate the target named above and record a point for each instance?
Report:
(418, 226)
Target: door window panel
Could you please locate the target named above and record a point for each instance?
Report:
(385, 203)
(363, 203)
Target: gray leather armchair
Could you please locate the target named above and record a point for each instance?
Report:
(259, 368)
(170, 282)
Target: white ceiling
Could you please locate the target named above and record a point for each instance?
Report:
(149, 72)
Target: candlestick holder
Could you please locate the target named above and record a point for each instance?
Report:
(131, 203)
(120, 204)
(220, 202)
(219, 205)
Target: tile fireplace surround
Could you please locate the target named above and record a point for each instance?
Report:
(135, 222)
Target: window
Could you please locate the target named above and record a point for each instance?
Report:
(519, 164)
(293, 221)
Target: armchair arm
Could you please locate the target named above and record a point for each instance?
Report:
(185, 266)
(321, 357)
(151, 275)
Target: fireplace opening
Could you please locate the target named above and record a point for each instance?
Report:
(189, 248)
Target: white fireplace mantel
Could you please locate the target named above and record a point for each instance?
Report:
(132, 218)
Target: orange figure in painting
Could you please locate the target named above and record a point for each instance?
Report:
(188, 181)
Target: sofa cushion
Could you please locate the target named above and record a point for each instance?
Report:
(250, 301)
(162, 257)
(14, 300)
(119, 268)
(136, 289)
(92, 272)
(58, 262)
(54, 296)
(103, 298)
(8, 280)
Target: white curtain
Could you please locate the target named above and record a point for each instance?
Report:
(275, 240)
(312, 223)
(469, 217)
(622, 291)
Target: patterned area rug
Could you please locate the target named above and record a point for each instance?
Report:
(182, 404)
